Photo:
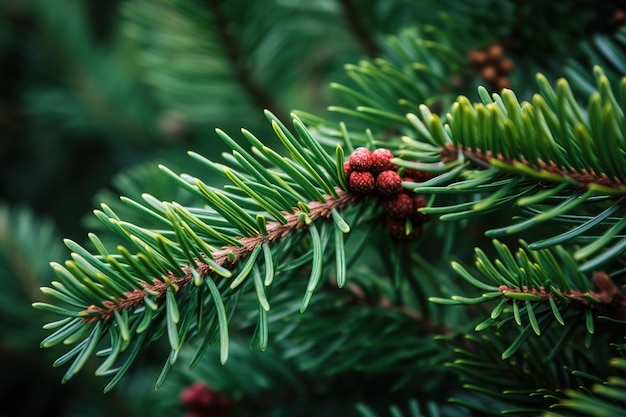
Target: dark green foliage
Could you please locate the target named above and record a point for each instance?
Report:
(229, 249)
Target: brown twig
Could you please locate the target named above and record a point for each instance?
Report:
(227, 257)
(607, 298)
(584, 177)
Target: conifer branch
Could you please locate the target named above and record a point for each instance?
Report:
(517, 149)
(226, 257)
(542, 285)
(584, 178)
(607, 298)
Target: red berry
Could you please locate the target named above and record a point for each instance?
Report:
(347, 169)
(416, 231)
(381, 160)
(398, 230)
(361, 182)
(200, 395)
(418, 202)
(389, 183)
(360, 159)
(200, 400)
(399, 207)
(407, 179)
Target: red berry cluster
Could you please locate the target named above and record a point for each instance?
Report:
(202, 401)
(372, 173)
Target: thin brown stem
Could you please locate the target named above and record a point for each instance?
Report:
(606, 298)
(226, 257)
(584, 177)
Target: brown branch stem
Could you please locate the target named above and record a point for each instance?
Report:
(606, 298)
(226, 257)
(584, 177)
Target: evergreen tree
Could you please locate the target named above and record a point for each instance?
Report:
(375, 208)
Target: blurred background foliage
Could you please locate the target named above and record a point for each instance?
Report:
(93, 95)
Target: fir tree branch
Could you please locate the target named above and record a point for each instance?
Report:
(226, 257)
(606, 397)
(607, 298)
(584, 178)
(535, 290)
(119, 295)
(552, 134)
